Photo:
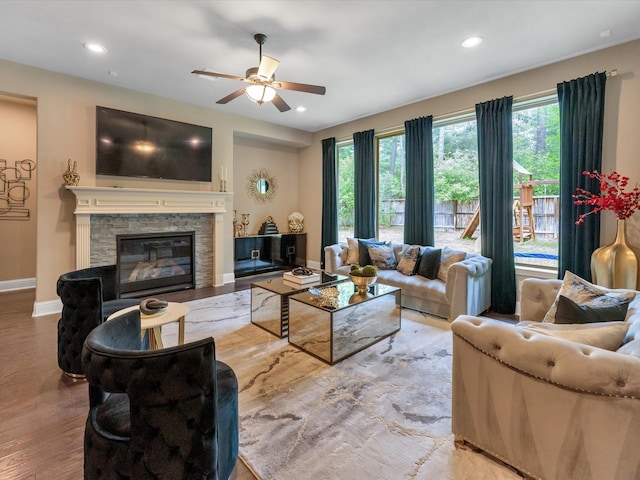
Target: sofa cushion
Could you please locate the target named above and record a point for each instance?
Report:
(429, 263)
(382, 257)
(363, 251)
(407, 264)
(568, 311)
(414, 285)
(448, 257)
(398, 249)
(606, 335)
(353, 252)
(582, 292)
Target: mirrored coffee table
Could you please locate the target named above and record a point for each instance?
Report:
(270, 301)
(342, 322)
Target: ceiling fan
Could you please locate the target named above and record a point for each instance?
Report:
(262, 81)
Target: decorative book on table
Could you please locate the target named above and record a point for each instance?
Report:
(301, 279)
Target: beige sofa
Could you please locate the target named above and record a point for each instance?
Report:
(467, 290)
(550, 407)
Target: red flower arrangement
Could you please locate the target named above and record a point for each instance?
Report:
(612, 196)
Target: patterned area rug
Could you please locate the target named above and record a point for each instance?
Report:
(383, 413)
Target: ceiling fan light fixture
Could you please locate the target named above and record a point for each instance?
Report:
(267, 68)
(260, 93)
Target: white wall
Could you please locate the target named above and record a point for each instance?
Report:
(282, 162)
(66, 130)
(17, 233)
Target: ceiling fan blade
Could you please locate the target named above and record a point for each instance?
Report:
(267, 67)
(300, 87)
(218, 75)
(280, 103)
(231, 96)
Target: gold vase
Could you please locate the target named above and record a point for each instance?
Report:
(616, 265)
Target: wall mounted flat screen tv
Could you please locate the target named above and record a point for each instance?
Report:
(133, 145)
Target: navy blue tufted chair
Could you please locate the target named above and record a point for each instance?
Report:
(168, 414)
(89, 297)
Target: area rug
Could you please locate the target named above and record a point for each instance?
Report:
(383, 413)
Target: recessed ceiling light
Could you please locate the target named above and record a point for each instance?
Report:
(301, 109)
(95, 48)
(472, 42)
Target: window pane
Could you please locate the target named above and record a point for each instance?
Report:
(536, 154)
(345, 192)
(457, 188)
(391, 188)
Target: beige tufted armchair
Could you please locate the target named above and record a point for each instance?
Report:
(551, 408)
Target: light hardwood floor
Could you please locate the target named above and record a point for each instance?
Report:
(43, 412)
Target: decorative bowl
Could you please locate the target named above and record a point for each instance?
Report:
(363, 283)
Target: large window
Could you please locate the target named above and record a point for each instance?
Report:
(345, 191)
(391, 187)
(457, 211)
(536, 206)
(457, 190)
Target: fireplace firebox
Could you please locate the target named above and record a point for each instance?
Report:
(153, 263)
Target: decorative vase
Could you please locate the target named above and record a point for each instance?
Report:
(616, 265)
(296, 226)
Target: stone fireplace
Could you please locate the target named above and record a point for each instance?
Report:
(151, 263)
(102, 213)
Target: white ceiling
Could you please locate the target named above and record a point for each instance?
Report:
(371, 55)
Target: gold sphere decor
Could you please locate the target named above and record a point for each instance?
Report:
(296, 222)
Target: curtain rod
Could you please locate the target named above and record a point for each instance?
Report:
(468, 111)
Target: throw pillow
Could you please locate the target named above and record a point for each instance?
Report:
(430, 263)
(614, 309)
(448, 257)
(382, 257)
(607, 335)
(582, 292)
(407, 264)
(353, 251)
(363, 251)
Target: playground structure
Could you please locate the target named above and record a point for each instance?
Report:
(522, 208)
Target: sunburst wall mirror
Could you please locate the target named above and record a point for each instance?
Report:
(261, 185)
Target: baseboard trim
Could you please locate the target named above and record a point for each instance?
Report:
(535, 272)
(313, 264)
(19, 284)
(46, 308)
(226, 278)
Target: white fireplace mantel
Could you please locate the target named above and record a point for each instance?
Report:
(114, 201)
(111, 200)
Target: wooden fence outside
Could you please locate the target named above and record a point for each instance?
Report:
(452, 215)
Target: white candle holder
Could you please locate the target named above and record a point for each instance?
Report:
(223, 185)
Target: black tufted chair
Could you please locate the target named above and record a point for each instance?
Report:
(89, 297)
(171, 414)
